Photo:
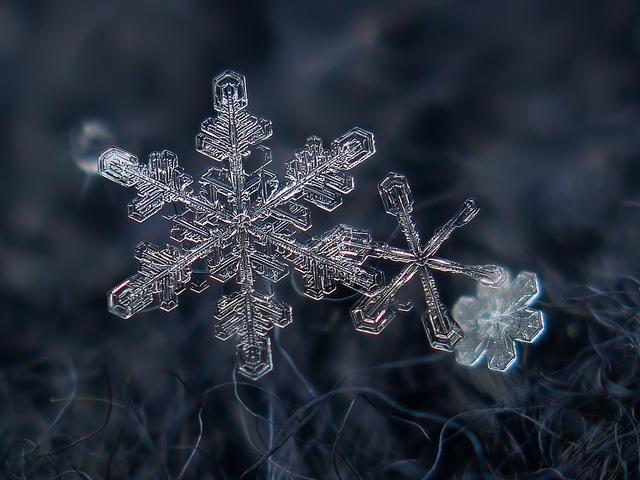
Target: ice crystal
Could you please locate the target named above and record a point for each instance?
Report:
(375, 311)
(242, 225)
(495, 319)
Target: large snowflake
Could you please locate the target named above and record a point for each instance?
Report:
(242, 225)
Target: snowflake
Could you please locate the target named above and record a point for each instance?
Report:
(242, 225)
(495, 319)
(375, 311)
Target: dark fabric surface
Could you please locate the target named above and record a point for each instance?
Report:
(530, 107)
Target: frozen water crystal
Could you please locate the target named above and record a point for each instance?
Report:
(242, 225)
(495, 319)
(374, 312)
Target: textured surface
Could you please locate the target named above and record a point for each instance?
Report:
(529, 107)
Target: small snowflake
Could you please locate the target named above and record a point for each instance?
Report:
(495, 319)
(375, 311)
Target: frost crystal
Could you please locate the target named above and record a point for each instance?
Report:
(496, 318)
(242, 225)
(376, 311)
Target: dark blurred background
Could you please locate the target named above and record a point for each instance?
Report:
(531, 107)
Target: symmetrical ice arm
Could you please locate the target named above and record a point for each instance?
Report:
(231, 134)
(317, 175)
(335, 257)
(160, 181)
(489, 275)
(373, 313)
(164, 273)
(251, 315)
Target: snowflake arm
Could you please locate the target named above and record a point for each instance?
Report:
(232, 133)
(317, 175)
(251, 315)
(495, 319)
(158, 182)
(485, 274)
(164, 274)
(335, 257)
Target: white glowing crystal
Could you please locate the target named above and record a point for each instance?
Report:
(495, 319)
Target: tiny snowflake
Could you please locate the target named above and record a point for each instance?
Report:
(375, 311)
(495, 319)
(242, 225)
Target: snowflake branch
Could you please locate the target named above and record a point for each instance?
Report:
(163, 275)
(315, 172)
